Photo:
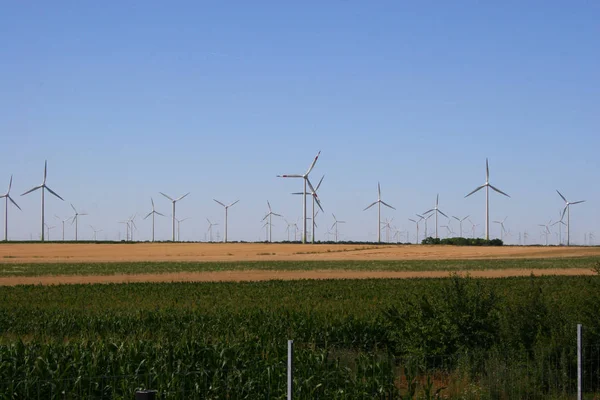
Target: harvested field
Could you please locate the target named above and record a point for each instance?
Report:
(89, 253)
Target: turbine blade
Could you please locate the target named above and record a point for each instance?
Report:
(31, 190)
(334, 216)
(313, 163)
(386, 204)
(278, 215)
(9, 185)
(234, 203)
(319, 204)
(562, 197)
(371, 205)
(269, 205)
(577, 202)
(487, 170)
(428, 211)
(312, 189)
(437, 200)
(564, 211)
(378, 190)
(479, 188)
(12, 201)
(220, 202)
(166, 196)
(152, 201)
(499, 191)
(54, 193)
(290, 176)
(156, 212)
(45, 171)
(181, 198)
(443, 213)
(318, 185)
(295, 193)
(265, 217)
(456, 218)
(410, 219)
(73, 207)
(147, 215)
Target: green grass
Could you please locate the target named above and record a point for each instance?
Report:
(40, 269)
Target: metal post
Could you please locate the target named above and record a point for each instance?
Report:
(290, 369)
(579, 363)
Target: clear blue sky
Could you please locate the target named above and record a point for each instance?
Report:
(126, 99)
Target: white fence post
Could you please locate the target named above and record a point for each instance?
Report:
(579, 364)
(290, 369)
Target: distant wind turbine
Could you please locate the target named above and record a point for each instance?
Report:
(210, 231)
(75, 219)
(460, 221)
(44, 187)
(473, 226)
(379, 202)
(63, 225)
(315, 198)
(487, 187)
(417, 224)
(567, 210)
(179, 221)
(95, 231)
(269, 222)
(49, 228)
(502, 229)
(546, 230)
(132, 226)
(306, 182)
(226, 209)
(174, 201)
(436, 210)
(153, 213)
(335, 225)
(7, 197)
(559, 223)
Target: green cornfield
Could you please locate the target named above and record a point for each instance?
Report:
(451, 338)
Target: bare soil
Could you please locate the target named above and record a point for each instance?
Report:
(259, 275)
(89, 253)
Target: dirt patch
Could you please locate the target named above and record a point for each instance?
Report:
(89, 253)
(255, 276)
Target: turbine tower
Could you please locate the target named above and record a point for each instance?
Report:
(210, 232)
(315, 198)
(567, 209)
(379, 202)
(44, 187)
(436, 210)
(306, 182)
(270, 215)
(76, 219)
(335, 224)
(487, 187)
(174, 201)
(8, 197)
(226, 209)
(153, 212)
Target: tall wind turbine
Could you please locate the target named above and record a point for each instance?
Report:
(44, 187)
(436, 210)
(210, 232)
(487, 187)
(306, 182)
(63, 225)
(174, 201)
(153, 213)
(226, 209)
(460, 221)
(335, 224)
(270, 215)
(315, 198)
(379, 202)
(8, 197)
(502, 229)
(95, 231)
(417, 224)
(567, 209)
(76, 219)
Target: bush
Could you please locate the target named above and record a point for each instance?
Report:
(460, 241)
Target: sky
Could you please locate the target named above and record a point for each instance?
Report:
(216, 98)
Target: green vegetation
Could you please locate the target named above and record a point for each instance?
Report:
(39, 269)
(461, 241)
(460, 337)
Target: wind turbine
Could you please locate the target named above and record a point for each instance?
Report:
(287, 230)
(179, 221)
(63, 225)
(487, 187)
(306, 181)
(436, 210)
(131, 224)
(379, 202)
(95, 231)
(210, 232)
(127, 229)
(48, 228)
(559, 222)
(448, 228)
(226, 209)
(8, 197)
(315, 198)
(425, 218)
(174, 201)
(473, 226)
(502, 229)
(417, 224)
(76, 219)
(460, 221)
(270, 215)
(153, 212)
(567, 209)
(387, 227)
(546, 230)
(44, 187)
(335, 224)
